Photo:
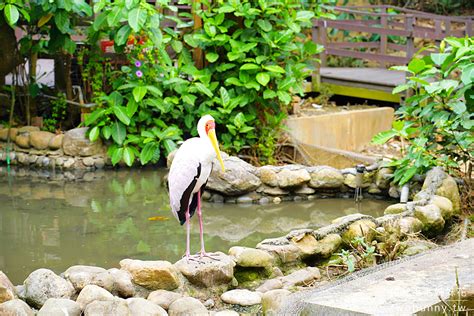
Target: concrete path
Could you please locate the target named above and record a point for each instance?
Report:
(403, 288)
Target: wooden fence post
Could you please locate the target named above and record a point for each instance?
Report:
(197, 52)
(316, 74)
(409, 21)
(383, 37)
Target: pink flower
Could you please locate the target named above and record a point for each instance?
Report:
(138, 64)
(139, 73)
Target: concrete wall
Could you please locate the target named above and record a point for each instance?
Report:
(350, 130)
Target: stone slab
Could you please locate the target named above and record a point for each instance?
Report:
(404, 288)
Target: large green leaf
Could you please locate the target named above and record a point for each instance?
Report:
(114, 17)
(137, 18)
(139, 92)
(225, 99)
(148, 152)
(61, 19)
(116, 155)
(11, 14)
(211, 57)
(119, 132)
(383, 137)
(274, 68)
(263, 78)
(121, 113)
(92, 117)
(94, 134)
(265, 25)
(467, 76)
(128, 156)
(249, 66)
(122, 35)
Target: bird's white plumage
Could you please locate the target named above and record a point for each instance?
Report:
(184, 168)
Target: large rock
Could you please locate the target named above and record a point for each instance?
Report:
(23, 140)
(288, 178)
(208, 272)
(304, 277)
(56, 142)
(112, 307)
(121, 282)
(325, 177)
(431, 217)
(76, 143)
(382, 179)
(239, 177)
(153, 275)
(350, 180)
(142, 307)
(28, 129)
(268, 175)
(273, 300)
(241, 297)
(361, 228)
(410, 225)
(282, 249)
(449, 189)
(164, 298)
(187, 306)
(271, 284)
(413, 247)
(91, 293)
(15, 307)
(250, 257)
(4, 134)
(7, 290)
(40, 140)
(80, 276)
(396, 208)
(322, 248)
(60, 307)
(43, 284)
(444, 204)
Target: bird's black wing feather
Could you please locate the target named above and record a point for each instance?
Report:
(184, 202)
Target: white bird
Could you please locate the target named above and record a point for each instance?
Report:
(189, 173)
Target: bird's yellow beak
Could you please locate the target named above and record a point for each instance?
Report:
(213, 138)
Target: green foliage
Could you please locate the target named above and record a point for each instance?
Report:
(58, 114)
(361, 255)
(437, 121)
(257, 56)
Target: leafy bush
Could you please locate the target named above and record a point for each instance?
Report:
(257, 56)
(436, 121)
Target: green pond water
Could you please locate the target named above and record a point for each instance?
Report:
(56, 223)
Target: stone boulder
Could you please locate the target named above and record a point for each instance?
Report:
(449, 189)
(350, 180)
(208, 272)
(410, 225)
(187, 306)
(325, 177)
(239, 177)
(60, 307)
(40, 140)
(56, 142)
(164, 298)
(76, 143)
(323, 248)
(80, 276)
(444, 204)
(142, 307)
(241, 297)
(396, 208)
(273, 300)
(290, 178)
(382, 180)
(15, 307)
(7, 290)
(303, 277)
(153, 275)
(361, 228)
(271, 284)
(431, 217)
(121, 282)
(23, 140)
(91, 293)
(268, 175)
(282, 249)
(413, 247)
(28, 129)
(250, 257)
(4, 134)
(43, 284)
(111, 307)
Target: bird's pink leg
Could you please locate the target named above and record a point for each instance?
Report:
(187, 233)
(202, 253)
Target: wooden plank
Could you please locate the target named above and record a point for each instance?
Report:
(372, 76)
(360, 28)
(353, 45)
(368, 56)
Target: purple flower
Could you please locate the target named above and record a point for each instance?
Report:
(138, 64)
(139, 73)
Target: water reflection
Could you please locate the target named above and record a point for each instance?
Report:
(57, 223)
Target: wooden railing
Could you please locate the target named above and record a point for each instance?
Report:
(388, 22)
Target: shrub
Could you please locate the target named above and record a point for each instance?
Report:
(257, 56)
(437, 120)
